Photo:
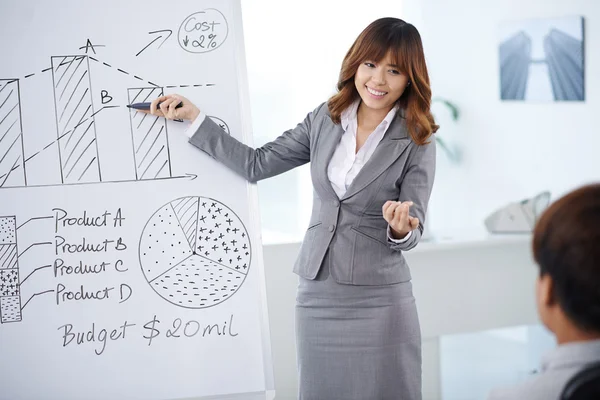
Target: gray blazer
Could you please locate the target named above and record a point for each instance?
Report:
(352, 228)
(558, 367)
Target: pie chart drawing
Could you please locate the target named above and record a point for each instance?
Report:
(195, 252)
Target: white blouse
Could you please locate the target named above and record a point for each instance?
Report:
(345, 163)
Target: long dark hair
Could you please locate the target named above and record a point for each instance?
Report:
(403, 42)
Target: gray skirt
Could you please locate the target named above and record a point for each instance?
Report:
(357, 342)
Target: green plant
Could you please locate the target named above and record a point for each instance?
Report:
(452, 153)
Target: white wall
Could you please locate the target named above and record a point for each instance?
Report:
(294, 51)
(512, 150)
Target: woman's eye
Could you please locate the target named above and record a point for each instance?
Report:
(395, 72)
(370, 65)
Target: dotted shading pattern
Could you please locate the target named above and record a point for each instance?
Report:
(10, 309)
(8, 230)
(163, 244)
(10, 299)
(216, 258)
(198, 283)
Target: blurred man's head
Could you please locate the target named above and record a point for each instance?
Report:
(566, 246)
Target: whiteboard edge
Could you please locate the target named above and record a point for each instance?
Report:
(246, 124)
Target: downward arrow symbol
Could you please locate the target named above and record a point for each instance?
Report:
(186, 41)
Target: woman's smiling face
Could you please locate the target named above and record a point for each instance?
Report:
(380, 84)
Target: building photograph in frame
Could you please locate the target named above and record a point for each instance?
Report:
(542, 60)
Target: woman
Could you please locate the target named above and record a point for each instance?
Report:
(372, 166)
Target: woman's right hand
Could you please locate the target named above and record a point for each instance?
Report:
(188, 111)
(396, 214)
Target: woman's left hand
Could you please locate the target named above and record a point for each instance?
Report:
(396, 213)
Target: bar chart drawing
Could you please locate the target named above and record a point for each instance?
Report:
(10, 293)
(77, 147)
(12, 160)
(149, 137)
(77, 139)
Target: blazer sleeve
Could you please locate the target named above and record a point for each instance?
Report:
(288, 151)
(416, 186)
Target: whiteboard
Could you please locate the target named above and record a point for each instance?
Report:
(130, 261)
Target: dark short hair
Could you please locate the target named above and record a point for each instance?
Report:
(566, 246)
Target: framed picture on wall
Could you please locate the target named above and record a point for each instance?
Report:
(542, 60)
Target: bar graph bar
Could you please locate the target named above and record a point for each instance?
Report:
(149, 135)
(12, 160)
(10, 293)
(77, 145)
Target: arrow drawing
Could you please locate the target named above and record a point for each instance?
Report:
(155, 39)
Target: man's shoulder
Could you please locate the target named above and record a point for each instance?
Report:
(545, 386)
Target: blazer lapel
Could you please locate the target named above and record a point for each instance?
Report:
(328, 142)
(393, 144)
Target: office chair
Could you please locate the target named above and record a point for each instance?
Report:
(585, 385)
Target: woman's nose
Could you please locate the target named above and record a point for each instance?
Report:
(378, 77)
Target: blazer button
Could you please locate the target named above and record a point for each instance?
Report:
(331, 228)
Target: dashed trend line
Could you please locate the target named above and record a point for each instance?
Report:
(121, 70)
(127, 73)
(30, 75)
(62, 136)
(185, 86)
(9, 172)
(109, 66)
